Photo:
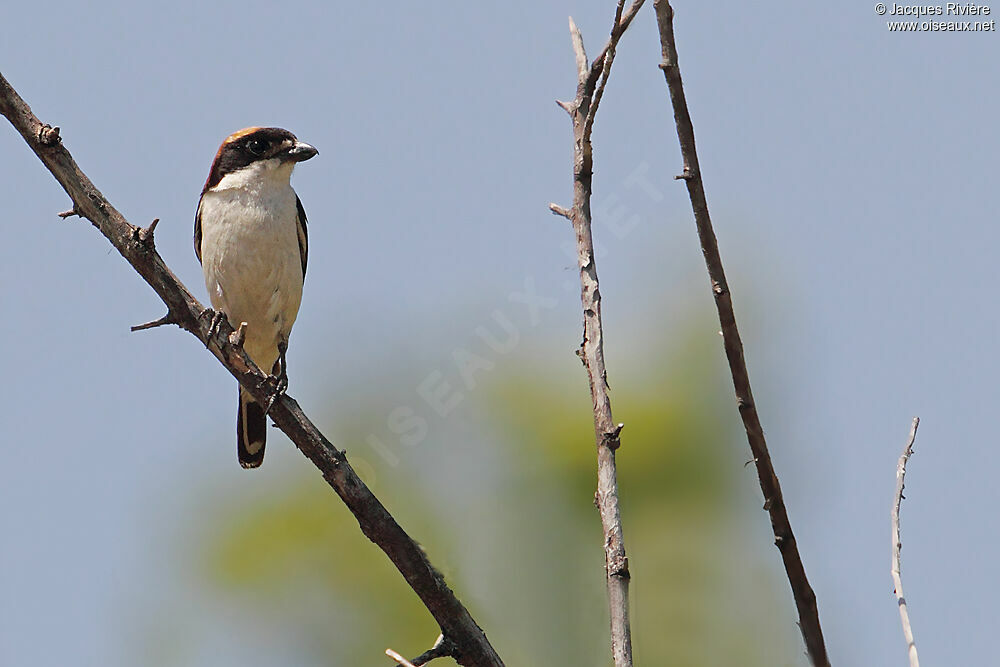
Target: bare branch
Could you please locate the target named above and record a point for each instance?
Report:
(471, 645)
(897, 545)
(581, 111)
(784, 539)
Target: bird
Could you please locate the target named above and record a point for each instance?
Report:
(252, 240)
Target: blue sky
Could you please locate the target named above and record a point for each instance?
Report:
(851, 173)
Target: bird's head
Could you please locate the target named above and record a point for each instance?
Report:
(256, 153)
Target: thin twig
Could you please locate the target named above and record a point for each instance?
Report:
(897, 545)
(442, 648)
(582, 111)
(609, 58)
(784, 539)
(471, 645)
(398, 658)
(623, 24)
(166, 319)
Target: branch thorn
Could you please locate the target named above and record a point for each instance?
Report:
(145, 235)
(237, 337)
(559, 210)
(68, 214)
(582, 66)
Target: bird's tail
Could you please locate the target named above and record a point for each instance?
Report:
(251, 431)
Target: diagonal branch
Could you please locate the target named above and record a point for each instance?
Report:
(582, 111)
(622, 21)
(774, 503)
(469, 641)
(609, 58)
(897, 545)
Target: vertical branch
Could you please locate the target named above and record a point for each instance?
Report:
(805, 598)
(591, 81)
(897, 545)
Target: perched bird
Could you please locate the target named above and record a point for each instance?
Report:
(251, 239)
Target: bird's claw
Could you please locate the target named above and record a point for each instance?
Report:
(277, 385)
(218, 317)
(278, 379)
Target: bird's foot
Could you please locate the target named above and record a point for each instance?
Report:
(217, 318)
(276, 385)
(278, 379)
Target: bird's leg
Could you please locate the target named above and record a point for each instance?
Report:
(278, 379)
(218, 317)
(281, 367)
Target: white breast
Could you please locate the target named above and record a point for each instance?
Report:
(250, 254)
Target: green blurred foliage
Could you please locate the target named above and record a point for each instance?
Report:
(523, 548)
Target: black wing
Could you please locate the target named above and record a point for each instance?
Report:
(197, 233)
(303, 230)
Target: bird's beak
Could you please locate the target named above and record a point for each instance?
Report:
(300, 152)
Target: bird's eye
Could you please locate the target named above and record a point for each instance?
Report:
(257, 146)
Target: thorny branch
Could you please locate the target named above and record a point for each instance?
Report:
(897, 545)
(591, 81)
(774, 503)
(136, 245)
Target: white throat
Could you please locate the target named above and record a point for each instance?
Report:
(258, 177)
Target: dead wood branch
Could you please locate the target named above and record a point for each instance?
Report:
(774, 503)
(591, 81)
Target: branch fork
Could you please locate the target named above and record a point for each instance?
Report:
(443, 648)
(592, 78)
